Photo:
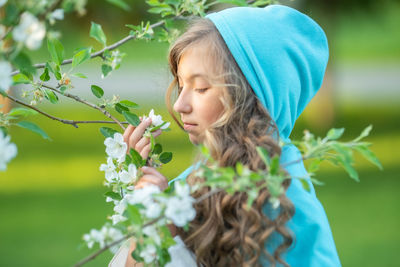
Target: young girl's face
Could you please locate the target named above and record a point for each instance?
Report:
(199, 103)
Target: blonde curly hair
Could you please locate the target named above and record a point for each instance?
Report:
(225, 232)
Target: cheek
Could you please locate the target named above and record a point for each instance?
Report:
(211, 110)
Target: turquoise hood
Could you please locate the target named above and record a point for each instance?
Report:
(281, 52)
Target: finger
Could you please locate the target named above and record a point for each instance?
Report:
(142, 184)
(142, 143)
(152, 171)
(144, 153)
(153, 180)
(127, 133)
(145, 140)
(138, 132)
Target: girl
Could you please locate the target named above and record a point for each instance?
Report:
(243, 76)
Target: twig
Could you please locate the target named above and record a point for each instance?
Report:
(80, 100)
(98, 53)
(71, 122)
(116, 242)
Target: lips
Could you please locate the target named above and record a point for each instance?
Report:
(189, 126)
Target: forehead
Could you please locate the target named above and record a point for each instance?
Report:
(196, 62)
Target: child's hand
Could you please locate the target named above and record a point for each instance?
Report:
(133, 136)
(152, 177)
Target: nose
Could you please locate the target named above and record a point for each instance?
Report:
(183, 103)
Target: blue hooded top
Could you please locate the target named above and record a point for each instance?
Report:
(283, 55)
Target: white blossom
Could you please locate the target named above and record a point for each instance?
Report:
(8, 150)
(182, 190)
(57, 14)
(149, 253)
(116, 218)
(5, 75)
(153, 210)
(142, 195)
(109, 169)
(106, 235)
(29, 31)
(129, 176)
(156, 120)
(180, 210)
(116, 147)
(151, 231)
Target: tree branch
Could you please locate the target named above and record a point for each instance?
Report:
(80, 100)
(98, 53)
(70, 122)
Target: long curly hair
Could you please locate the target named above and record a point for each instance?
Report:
(225, 231)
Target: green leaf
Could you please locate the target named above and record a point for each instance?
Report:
(11, 14)
(79, 75)
(349, 169)
(106, 69)
(63, 88)
(128, 104)
(121, 4)
(97, 33)
(166, 157)
(25, 112)
(97, 91)
(274, 167)
(34, 128)
(24, 64)
(305, 184)
(136, 158)
(131, 118)
(21, 78)
(157, 149)
(81, 57)
(107, 132)
(50, 95)
(234, 2)
(239, 168)
(369, 155)
(334, 133)
(119, 108)
(264, 155)
(56, 50)
(113, 195)
(45, 75)
(364, 133)
(55, 69)
(134, 214)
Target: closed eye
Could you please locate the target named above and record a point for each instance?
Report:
(201, 90)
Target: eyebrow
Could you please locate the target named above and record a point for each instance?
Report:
(195, 75)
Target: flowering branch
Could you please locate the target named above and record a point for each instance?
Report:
(71, 122)
(98, 53)
(80, 100)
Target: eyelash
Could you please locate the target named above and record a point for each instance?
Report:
(200, 90)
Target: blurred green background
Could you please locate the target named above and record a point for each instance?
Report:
(52, 193)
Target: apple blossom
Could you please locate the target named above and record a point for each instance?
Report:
(151, 231)
(30, 31)
(8, 151)
(109, 169)
(180, 210)
(57, 14)
(116, 147)
(156, 120)
(129, 176)
(149, 253)
(5, 75)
